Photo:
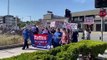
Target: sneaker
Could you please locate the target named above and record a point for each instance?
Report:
(23, 49)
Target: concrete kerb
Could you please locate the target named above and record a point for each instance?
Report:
(10, 46)
(98, 32)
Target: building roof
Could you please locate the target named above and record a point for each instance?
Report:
(89, 12)
(52, 16)
(85, 13)
(57, 17)
(8, 16)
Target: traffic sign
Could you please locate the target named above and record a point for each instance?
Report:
(102, 12)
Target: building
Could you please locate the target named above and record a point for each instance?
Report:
(1, 20)
(50, 17)
(79, 18)
(9, 21)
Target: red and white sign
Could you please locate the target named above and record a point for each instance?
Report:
(40, 37)
(41, 40)
(89, 20)
(102, 12)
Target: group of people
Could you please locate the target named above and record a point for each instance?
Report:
(64, 36)
(59, 36)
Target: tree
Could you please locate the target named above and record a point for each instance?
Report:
(22, 24)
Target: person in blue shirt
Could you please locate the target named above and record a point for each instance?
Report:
(57, 38)
(31, 36)
(25, 35)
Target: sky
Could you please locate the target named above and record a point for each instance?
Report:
(37, 8)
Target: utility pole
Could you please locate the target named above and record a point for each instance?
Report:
(22, 19)
(102, 15)
(30, 19)
(8, 7)
(102, 4)
(102, 28)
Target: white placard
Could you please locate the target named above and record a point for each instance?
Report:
(72, 26)
(58, 24)
(89, 20)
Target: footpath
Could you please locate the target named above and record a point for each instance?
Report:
(17, 51)
(5, 53)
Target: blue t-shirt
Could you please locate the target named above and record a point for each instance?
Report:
(57, 37)
(25, 34)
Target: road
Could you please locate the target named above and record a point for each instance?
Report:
(95, 36)
(17, 51)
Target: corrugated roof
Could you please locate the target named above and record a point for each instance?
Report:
(84, 13)
(57, 17)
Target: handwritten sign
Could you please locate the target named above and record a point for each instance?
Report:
(72, 26)
(89, 20)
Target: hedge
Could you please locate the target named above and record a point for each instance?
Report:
(87, 48)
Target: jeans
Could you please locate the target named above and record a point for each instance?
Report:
(25, 44)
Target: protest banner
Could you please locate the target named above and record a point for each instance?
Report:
(41, 40)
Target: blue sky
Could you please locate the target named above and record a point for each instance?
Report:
(37, 8)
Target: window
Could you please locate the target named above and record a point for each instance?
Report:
(98, 27)
(48, 22)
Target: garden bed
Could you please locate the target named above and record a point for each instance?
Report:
(6, 40)
(88, 49)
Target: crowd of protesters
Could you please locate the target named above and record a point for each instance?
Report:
(59, 36)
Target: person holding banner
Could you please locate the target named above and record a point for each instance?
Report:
(47, 32)
(25, 34)
(31, 36)
(34, 30)
(57, 38)
(64, 39)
